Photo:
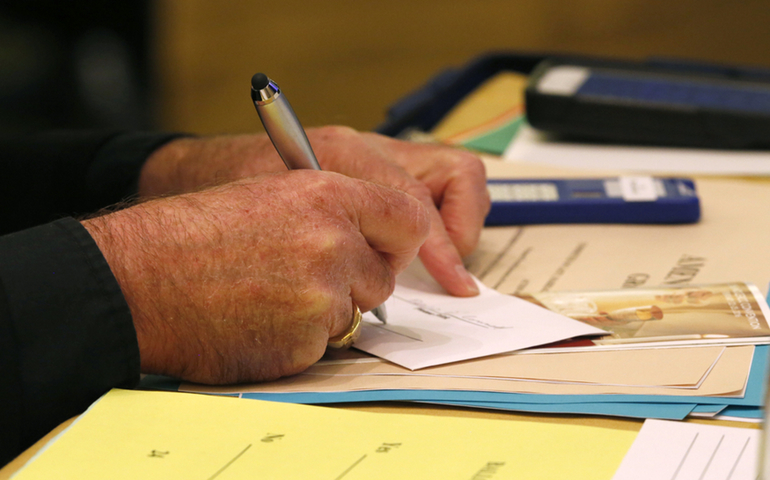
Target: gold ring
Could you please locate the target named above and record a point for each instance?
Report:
(346, 339)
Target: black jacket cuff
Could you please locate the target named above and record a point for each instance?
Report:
(66, 326)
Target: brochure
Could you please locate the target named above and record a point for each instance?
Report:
(726, 313)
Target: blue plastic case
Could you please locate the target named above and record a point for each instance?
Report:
(633, 200)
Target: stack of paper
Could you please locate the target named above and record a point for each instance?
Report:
(598, 384)
(530, 145)
(134, 434)
(487, 118)
(646, 363)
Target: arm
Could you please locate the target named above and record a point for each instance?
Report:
(242, 282)
(86, 295)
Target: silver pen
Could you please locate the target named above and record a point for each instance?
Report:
(287, 135)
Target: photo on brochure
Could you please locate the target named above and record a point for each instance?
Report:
(719, 313)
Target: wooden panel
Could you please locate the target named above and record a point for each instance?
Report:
(345, 62)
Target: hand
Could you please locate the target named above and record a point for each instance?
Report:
(450, 182)
(249, 280)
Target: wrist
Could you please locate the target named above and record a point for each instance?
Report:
(190, 164)
(117, 236)
(163, 171)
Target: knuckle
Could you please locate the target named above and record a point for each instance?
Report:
(330, 244)
(317, 188)
(323, 249)
(416, 192)
(472, 170)
(420, 191)
(389, 283)
(312, 181)
(418, 219)
(421, 221)
(471, 164)
(328, 307)
(338, 132)
(317, 301)
(409, 207)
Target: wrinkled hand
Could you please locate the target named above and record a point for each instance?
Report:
(450, 182)
(248, 281)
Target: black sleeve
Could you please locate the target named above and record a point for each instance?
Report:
(66, 334)
(45, 176)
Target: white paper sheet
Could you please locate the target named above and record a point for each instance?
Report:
(532, 146)
(427, 327)
(684, 451)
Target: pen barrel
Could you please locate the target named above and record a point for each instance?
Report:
(287, 134)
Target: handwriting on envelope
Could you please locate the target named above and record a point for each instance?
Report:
(427, 326)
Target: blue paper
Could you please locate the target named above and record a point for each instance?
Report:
(642, 406)
(709, 408)
(743, 412)
(664, 411)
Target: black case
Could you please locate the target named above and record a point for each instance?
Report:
(426, 106)
(653, 123)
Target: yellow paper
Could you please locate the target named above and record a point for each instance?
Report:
(163, 435)
(491, 104)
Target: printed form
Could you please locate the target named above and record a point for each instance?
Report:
(163, 435)
(688, 451)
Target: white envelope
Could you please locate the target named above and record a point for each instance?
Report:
(427, 326)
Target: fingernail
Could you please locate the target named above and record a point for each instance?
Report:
(468, 279)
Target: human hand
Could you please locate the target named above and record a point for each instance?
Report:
(249, 280)
(450, 182)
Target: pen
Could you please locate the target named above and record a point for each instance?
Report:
(287, 135)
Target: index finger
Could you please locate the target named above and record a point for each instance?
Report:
(457, 181)
(464, 202)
